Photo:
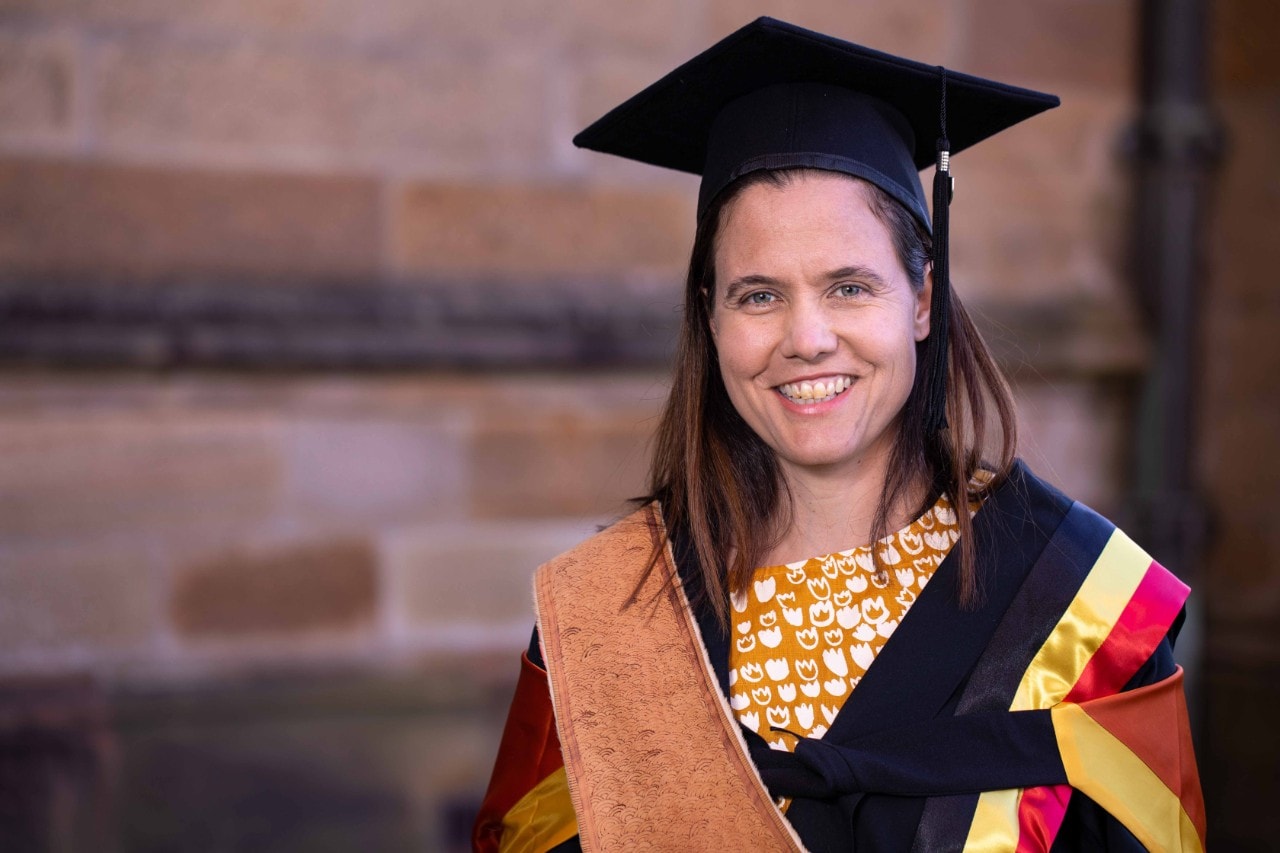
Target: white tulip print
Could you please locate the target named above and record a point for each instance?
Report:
(836, 661)
(874, 610)
(911, 542)
(821, 614)
(765, 589)
(938, 540)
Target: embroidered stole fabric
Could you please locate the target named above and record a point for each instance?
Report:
(638, 708)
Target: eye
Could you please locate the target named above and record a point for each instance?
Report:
(850, 289)
(760, 297)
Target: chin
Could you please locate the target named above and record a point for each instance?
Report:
(820, 459)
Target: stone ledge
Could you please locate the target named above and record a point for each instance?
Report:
(490, 324)
(454, 684)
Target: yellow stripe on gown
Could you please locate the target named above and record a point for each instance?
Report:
(806, 632)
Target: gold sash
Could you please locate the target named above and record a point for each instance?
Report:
(654, 758)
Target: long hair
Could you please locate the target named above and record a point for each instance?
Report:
(717, 479)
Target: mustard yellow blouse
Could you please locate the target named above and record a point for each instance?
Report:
(806, 632)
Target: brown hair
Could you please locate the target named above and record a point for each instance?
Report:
(716, 478)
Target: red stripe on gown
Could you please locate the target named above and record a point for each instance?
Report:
(1133, 638)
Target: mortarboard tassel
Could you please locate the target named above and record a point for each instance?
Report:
(936, 366)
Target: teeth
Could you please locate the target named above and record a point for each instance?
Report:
(818, 391)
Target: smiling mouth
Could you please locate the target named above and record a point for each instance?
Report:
(815, 391)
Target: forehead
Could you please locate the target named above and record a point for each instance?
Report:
(808, 217)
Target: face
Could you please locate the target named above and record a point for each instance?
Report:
(815, 322)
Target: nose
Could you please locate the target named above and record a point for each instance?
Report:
(810, 334)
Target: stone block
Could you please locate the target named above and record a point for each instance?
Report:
(471, 574)
(557, 462)
(362, 469)
(330, 109)
(1079, 140)
(309, 587)
(65, 218)
(328, 763)
(920, 29)
(37, 82)
(75, 601)
(74, 476)
(665, 28)
(1075, 435)
(1040, 211)
(1028, 240)
(541, 230)
(1053, 43)
(401, 23)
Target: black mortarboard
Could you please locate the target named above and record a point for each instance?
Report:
(773, 96)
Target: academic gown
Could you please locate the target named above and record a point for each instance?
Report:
(929, 726)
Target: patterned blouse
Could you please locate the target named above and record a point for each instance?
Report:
(806, 632)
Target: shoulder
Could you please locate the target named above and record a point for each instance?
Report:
(1074, 535)
(623, 549)
(1079, 550)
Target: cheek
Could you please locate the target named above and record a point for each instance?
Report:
(742, 348)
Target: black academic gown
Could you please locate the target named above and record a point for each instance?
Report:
(945, 660)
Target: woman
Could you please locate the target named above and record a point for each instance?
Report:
(826, 495)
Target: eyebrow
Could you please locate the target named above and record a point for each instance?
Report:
(855, 271)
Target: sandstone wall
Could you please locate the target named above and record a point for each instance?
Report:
(312, 574)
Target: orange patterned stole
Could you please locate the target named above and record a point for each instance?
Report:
(654, 757)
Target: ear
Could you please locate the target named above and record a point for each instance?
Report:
(924, 301)
(711, 316)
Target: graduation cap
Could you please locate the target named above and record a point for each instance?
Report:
(776, 96)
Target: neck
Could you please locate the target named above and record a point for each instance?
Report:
(835, 510)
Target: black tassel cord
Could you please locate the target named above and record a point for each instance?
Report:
(940, 306)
